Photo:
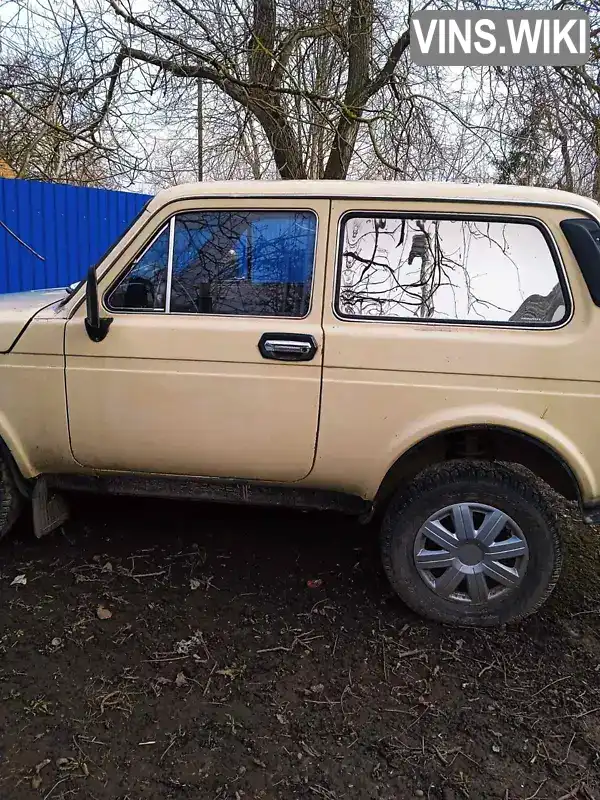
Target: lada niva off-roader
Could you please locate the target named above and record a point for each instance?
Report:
(392, 350)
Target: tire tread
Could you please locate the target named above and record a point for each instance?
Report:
(10, 500)
(448, 473)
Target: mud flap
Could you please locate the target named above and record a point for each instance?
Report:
(49, 508)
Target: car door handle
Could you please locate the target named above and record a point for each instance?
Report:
(287, 346)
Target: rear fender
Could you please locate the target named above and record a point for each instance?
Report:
(535, 427)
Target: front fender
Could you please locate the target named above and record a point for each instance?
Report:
(10, 441)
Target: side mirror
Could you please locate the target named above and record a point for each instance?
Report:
(96, 326)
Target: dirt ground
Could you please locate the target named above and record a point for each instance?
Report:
(171, 650)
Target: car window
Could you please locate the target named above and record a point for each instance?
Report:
(143, 288)
(470, 270)
(236, 262)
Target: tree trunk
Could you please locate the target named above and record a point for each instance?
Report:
(281, 136)
(596, 150)
(341, 151)
(360, 33)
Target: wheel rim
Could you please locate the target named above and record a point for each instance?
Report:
(471, 553)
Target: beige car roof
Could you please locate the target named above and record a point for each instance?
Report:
(401, 190)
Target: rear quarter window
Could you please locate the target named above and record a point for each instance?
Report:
(470, 270)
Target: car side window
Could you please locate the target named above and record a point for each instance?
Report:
(143, 287)
(257, 263)
(464, 270)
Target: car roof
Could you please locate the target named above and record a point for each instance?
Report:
(386, 190)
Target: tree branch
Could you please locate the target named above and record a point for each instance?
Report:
(388, 69)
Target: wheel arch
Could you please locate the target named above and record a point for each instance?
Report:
(483, 442)
(15, 459)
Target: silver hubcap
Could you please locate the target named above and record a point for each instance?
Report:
(471, 553)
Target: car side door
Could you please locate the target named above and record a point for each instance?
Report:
(212, 365)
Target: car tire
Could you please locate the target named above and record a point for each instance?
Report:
(10, 499)
(451, 558)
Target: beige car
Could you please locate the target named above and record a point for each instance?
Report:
(392, 350)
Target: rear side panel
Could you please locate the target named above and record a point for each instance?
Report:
(389, 384)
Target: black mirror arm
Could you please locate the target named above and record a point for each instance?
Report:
(98, 333)
(95, 325)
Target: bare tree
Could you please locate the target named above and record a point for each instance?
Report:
(306, 73)
(556, 140)
(107, 91)
(56, 92)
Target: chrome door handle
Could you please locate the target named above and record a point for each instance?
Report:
(287, 346)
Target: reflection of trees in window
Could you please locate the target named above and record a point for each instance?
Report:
(447, 269)
(541, 308)
(257, 263)
(143, 287)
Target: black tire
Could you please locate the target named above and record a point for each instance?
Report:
(10, 499)
(474, 482)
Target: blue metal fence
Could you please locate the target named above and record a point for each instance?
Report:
(62, 231)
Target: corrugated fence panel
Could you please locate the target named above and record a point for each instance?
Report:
(68, 228)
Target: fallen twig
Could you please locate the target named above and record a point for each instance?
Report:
(548, 685)
(535, 794)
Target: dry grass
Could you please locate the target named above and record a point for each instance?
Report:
(221, 674)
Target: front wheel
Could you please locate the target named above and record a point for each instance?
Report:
(471, 543)
(10, 499)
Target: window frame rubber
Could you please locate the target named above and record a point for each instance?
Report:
(124, 273)
(171, 222)
(457, 217)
